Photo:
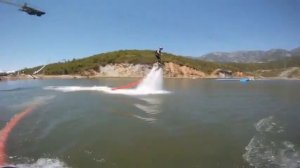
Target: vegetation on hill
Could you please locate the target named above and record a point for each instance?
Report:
(77, 66)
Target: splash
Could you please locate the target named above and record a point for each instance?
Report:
(43, 163)
(151, 84)
(153, 81)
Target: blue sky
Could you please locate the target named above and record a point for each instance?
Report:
(79, 28)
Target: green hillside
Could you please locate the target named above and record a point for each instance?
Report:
(76, 66)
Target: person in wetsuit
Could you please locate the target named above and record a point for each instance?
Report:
(158, 55)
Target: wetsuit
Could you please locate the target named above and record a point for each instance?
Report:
(158, 54)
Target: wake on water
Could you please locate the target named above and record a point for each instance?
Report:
(151, 84)
(5, 132)
(264, 150)
(43, 163)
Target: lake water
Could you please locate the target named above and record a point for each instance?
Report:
(197, 123)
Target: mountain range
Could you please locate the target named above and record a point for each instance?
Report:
(255, 56)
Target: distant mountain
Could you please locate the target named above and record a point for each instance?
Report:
(250, 56)
(296, 51)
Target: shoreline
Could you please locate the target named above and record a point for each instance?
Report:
(46, 77)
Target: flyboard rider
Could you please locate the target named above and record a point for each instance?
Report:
(158, 55)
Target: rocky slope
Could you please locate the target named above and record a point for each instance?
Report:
(175, 70)
(172, 70)
(139, 70)
(292, 72)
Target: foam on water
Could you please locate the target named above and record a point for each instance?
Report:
(148, 119)
(151, 84)
(268, 125)
(43, 163)
(149, 109)
(77, 88)
(264, 150)
(150, 100)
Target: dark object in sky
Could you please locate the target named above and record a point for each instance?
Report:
(31, 11)
(24, 8)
